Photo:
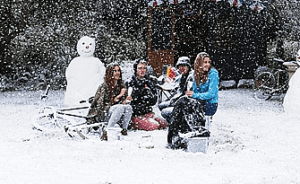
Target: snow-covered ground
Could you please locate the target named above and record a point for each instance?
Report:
(251, 142)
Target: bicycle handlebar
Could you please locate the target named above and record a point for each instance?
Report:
(45, 95)
(297, 63)
(278, 60)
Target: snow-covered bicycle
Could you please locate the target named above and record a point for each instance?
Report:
(270, 82)
(50, 119)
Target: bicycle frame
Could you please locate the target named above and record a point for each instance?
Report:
(54, 111)
(280, 86)
(272, 82)
(52, 119)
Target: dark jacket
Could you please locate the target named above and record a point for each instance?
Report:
(144, 95)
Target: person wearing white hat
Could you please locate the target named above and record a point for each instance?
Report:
(184, 67)
(199, 101)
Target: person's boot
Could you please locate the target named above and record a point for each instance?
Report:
(124, 132)
(104, 136)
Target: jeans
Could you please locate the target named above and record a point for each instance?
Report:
(167, 113)
(119, 113)
(164, 105)
(166, 110)
(211, 109)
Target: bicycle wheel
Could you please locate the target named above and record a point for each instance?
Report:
(284, 81)
(263, 85)
(47, 122)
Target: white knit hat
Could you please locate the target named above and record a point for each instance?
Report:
(184, 60)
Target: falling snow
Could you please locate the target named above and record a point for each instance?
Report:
(251, 141)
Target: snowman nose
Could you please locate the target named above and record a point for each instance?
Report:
(87, 47)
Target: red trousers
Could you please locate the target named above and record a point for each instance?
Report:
(148, 122)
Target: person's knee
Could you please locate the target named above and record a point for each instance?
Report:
(166, 113)
(164, 105)
(128, 107)
(182, 100)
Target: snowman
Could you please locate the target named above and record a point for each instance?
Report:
(291, 101)
(84, 74)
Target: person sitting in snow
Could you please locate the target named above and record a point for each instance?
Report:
(190, 110)
(142, 98)
(184, 67)
(109, 104)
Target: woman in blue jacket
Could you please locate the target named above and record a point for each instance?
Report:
(201, 100)
(205, 83)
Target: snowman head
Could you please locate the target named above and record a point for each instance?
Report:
(86, 46)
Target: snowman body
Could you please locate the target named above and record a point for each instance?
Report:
(291, 101)
(84, 74)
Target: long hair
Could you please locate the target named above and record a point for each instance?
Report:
(200, 74)
(108, 78)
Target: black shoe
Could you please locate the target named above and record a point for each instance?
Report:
(124, 132)
(177, 142)
(104, 136)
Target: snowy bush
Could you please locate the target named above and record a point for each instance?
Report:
(40, 54)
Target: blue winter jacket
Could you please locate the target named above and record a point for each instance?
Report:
(208, 91)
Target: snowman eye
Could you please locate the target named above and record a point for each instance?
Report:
(83, 43)
(91, 43)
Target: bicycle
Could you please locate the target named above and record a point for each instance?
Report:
(271, 82)
(49, 120)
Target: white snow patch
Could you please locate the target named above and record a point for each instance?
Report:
(251, 142)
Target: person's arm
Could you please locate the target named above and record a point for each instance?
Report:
(135, 93)
(212, 88)
(122, 95)
(98, 95)
(99, 106)
(190, 79)
(124, 92)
